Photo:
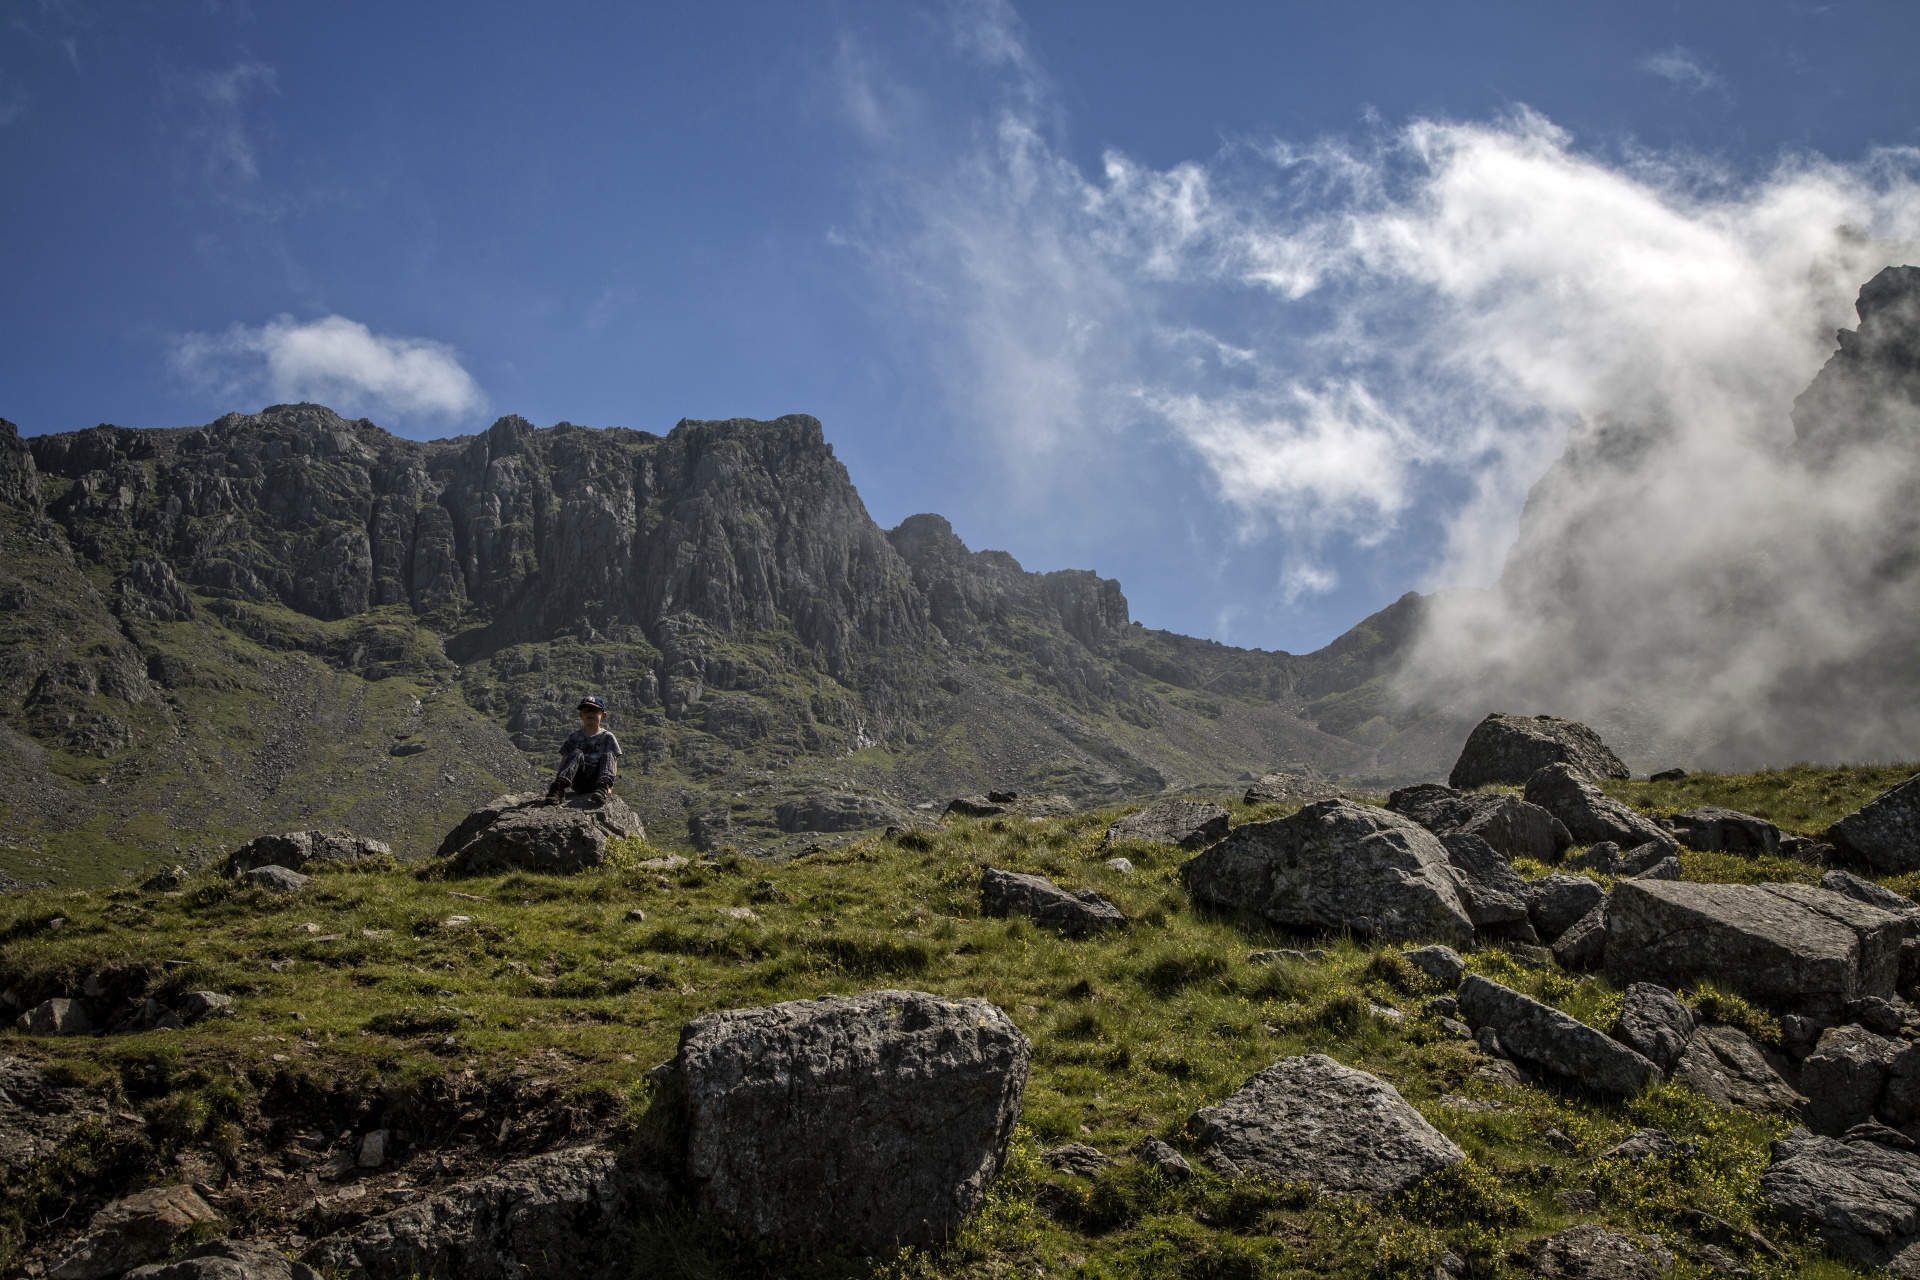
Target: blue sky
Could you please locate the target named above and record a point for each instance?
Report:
(1272, 311)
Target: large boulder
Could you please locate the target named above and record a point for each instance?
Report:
(1588, 813)
(1015, 893)
(1711, 828)
(132, 1231)
(1787, 945)
(550, 1215)
(1542, 1036)
(295, 849)
(1190, 824)
(835, 811)
(1508, 823)
(1724, 1065)
(1309, 1119)
(525, 833)
(227, 1260)
(1337, 865)
(1558, 902)
(868, 1122)
(1883, 834)
(1844, 1077)
(1507, 750)
(1493, 892)
(1862, 1197)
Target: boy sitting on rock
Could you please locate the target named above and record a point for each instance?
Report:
(589, 758)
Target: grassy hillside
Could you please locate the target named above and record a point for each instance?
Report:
(490, 1017)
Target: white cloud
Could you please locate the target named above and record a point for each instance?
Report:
(332, 360)
(1680, 67)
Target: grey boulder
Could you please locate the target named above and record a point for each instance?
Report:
(1442, 964)
(295, 849)
(835, 811)
(550, 1215)
(524, 833)
(1493, 892)
(1786, 945)
(1540, 1035)
(1296, 788)
(132, 1231)
(1724, 1065)
(1556, 903)
(1584, 943)
(1507, 750)
(1861, 889)
(1309, 1119)
(1588, 1251)
(875, 1121)
(1655, 1024)
(1506, 822)
(1337, 865)
(1159, 1155)
(1883, 834)
(1711, 828)
(1844, 1077)
(1589, 814)
(227, 1260)
(1015, 893)
(275, 879)
(1190, 824)
(56, 1017)
(1862, 1197)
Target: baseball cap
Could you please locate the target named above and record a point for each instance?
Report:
(591, 703)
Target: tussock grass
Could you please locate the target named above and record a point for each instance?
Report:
(368, 981)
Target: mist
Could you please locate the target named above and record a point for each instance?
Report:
(1552, 383)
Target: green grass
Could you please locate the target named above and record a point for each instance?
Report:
(359, 985)
(1802, 799)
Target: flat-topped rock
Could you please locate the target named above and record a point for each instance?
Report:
(1334, 866)
(869, 1122)
(1789, 946)
(1072, 912)
(1884, 833)
(1189, 824)
(1588, 813)
(1309, 1119)
(1506, 750)
(1542, 1036)
(276, 879)
(295, 849)
(1290, 788)
(836, 811)
(525, 833)
(996, 803)
(1711, 828)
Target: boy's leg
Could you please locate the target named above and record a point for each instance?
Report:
(597, 781)
(567, 779)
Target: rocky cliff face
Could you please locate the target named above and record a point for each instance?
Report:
(287, 616)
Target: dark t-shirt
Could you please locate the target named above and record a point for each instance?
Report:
(601, 747)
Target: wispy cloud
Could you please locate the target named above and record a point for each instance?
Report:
(1680, 67)
(223, 147)
(332, 360)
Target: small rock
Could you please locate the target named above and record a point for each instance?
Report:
(1501, 1072)
(56, 1017)
(1578, 1200)
(456, 922)
(200, 1004)
(1489, 1041)
(1725, 1066)
(1591, 1252)
(276, 879)
(1442, 964)
(1885, 1017)
(1667, 868)
(295, 849)
(1456, 1028)
(1386, 1013)
(1861, 889)
(1119, 864)
(131, 1231)
(373, 1149)
(1004, 893)
(1269, 957)
(1158, 1154)
(1588, 813)
(1441, 1007)
(1655, 1024)
(1667, 775)
(1641, 1144)
(1584, 943)
(1284, 788)
(1187, 824)
(1310, 1119)
(1711, 828)
(164, 881)
(1456, 1102)
(1076, 1157)
(635, 915)
(743, 914)
(1863, 1198)
(670, 862)
(1885, 1135)
(1559, 1141)
(982, 806)
(524, 833)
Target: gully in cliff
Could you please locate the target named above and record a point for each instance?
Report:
(589, 758)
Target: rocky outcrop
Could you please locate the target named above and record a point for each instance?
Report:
(36, 1114)
(524, 833)
(1506, 750)
(1336, 865)
(868, 1122)
(1011, 893)
(1512, 826)
(1711, 828)
(548, 1215)
(1309, 1119)
(132, 1231)
(1189, 824)
(1785, 945)
(1590, 1251)
(1883, 834)
(836, 811)
(1541, 1036)
(1589, 814)
(294, 850)
(1862, 1198)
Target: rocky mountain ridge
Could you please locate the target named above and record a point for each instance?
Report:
(288, 617)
